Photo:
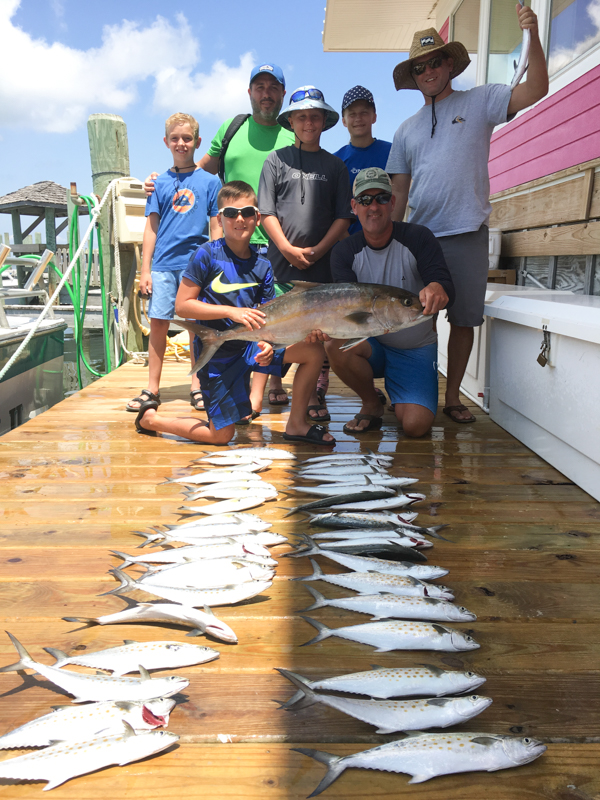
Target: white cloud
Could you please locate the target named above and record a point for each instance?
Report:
(221, 93)
(561, 56)
(54, 88)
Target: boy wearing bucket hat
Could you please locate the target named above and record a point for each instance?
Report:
(304, 200)
(406, 256)
(444, 149)
(364, 150)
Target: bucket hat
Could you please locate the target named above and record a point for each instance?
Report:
(308, 97)
(425, 42)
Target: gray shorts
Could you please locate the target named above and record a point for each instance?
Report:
(467, 257)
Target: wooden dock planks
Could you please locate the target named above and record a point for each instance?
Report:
(524, 557)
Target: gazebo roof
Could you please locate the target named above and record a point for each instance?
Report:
(33, 200)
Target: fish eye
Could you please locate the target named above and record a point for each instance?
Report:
(407, 301)
(527, 740)
(474, 697)
(470, 674)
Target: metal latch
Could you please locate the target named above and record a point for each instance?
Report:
(544, 355)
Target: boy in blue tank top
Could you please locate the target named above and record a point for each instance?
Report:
(176, 216)
(364, 151)
(224, 284)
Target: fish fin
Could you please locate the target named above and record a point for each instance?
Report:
(360, 317)
(437, 671)
(81, 699)
(335, 766)
(317, 573)
(144, 673)
(383, 649)
(207, 610)
(485, 741)
(295, 698)
(129, 641)
(126, 582)
(25, 660)
(324, 631)
(124, 705)
(209, 339)
(83, 620)
(58, 708)
(438, 701)
(420, 778)
(352, 343)
(195, 632)
(57, 780)
(126, 558)
(100, 674)
(320, 600)
(150, 538)
(59, 655)
(440, 628)
(386, 730)
(377, 666)
(128, 731)
(302, 286)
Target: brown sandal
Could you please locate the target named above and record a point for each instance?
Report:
(450, 410)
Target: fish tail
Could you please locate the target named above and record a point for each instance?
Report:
(335, 766)
(126, 559)
(295, 698)
(150, 538)
(60, 656)
(25, 660)
(308, 698)
(324, 631)
(83, 620)
(433, 531)
(320, 600)
(126, 582)
(209, 339)
(311, 549)
(316, 576)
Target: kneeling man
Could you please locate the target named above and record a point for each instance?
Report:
(394, 254)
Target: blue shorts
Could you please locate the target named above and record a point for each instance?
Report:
(410, 375)
(225, 383)
(164, 290)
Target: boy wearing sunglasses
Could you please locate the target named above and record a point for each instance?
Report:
(224, 284)
(444, 150)
(406, 256)
(176, 216)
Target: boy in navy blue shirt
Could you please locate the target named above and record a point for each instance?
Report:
(359, 116)
(176, 216)
(222, 285)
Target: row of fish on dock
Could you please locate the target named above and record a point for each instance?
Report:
(366, 533)
(223, 559)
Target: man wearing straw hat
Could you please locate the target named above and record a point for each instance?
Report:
(444, 150)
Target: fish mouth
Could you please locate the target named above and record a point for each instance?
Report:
(153, 719)
(222, 635)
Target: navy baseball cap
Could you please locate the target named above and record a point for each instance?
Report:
(357, 93)
(270, 69)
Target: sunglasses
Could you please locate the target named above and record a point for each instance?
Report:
(302, 94)
(434, 63)
(231, 212)
(366, 199)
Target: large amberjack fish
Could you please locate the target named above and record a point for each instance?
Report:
(351, 311)
(99, 687)
(393, 635)
(386, 682)
(392, 716)
(78, 723)
(201, 622)
(427, 755)
(128, 657)
(66, 760)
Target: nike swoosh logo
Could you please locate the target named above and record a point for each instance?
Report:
(222, 288)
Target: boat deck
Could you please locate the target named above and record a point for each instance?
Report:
(524, 557)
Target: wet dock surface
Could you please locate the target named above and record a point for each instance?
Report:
(524, 556)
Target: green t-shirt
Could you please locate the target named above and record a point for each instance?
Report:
(246, 155)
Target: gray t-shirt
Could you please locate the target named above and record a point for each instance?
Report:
(450, 191)
(307, 192)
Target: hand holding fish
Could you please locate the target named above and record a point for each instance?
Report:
(317, 336)
(264, 358)
(527, 18)
(433, 297)
(250, 318)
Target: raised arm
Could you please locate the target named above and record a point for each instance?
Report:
(400, 187)
(536, 85)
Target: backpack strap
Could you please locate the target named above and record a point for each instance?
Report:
(234, 126)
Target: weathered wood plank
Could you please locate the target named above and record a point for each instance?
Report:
(567, 240)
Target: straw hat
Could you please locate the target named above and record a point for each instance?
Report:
(424, 42)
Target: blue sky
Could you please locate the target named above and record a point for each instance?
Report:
(63, 60)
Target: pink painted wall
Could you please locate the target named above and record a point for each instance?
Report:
(560, 132)
(444, 30)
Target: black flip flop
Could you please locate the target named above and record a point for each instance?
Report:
(248, 420)
(146, 404)
(143, 397)
(314, 435)
(197, 403)
(321, 407)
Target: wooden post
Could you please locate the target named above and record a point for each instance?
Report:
(109, 152)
